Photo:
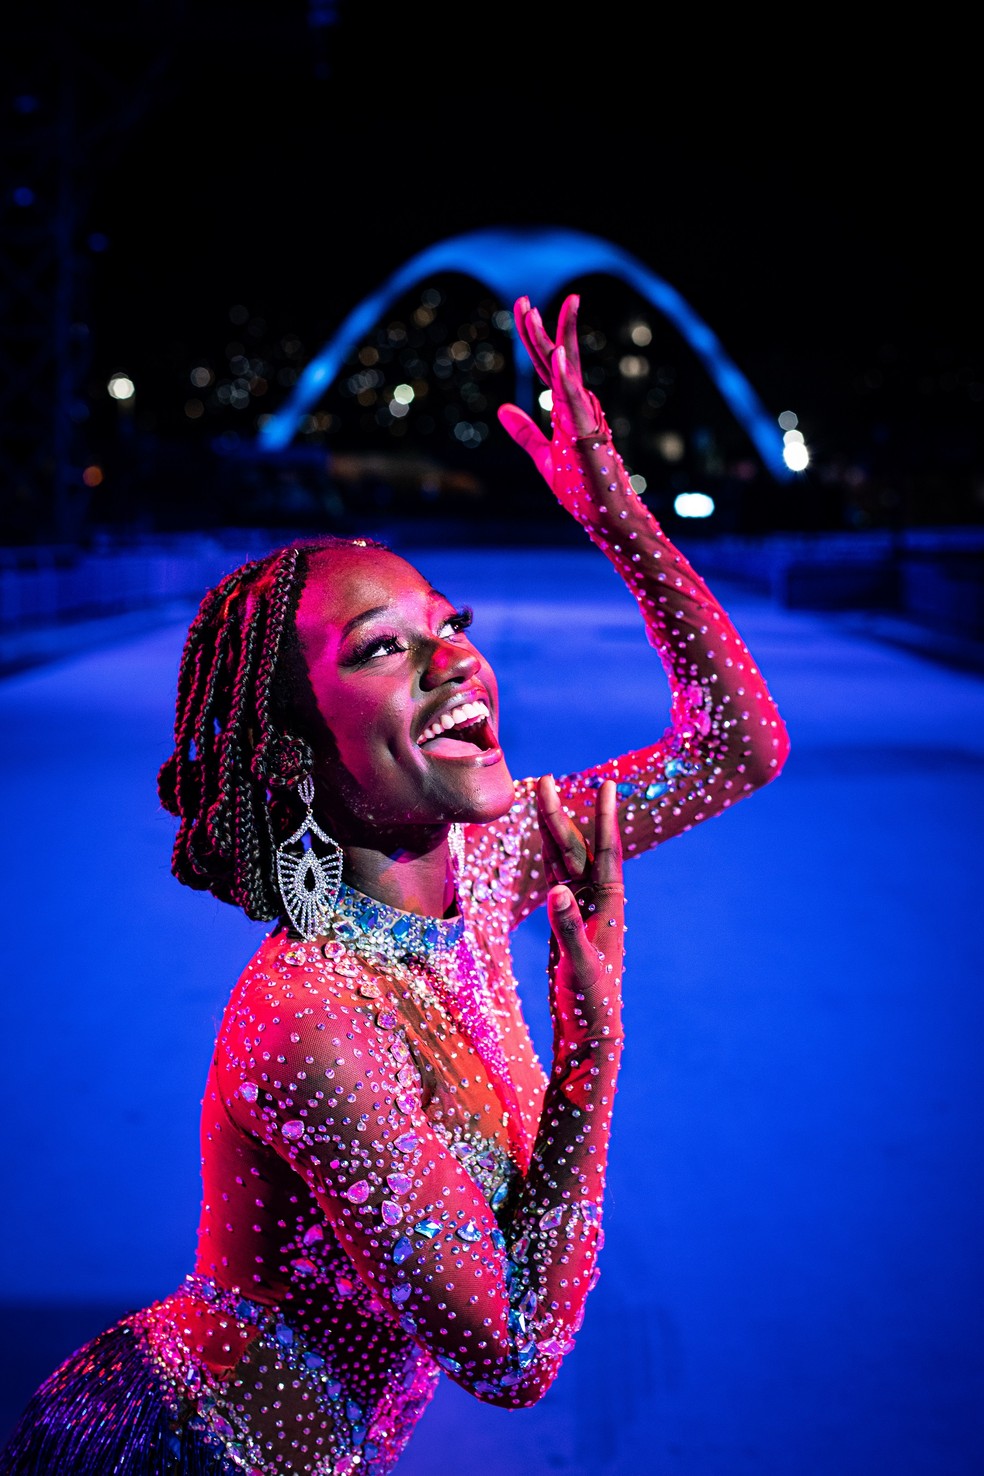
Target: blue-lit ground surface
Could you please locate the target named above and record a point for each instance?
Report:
(792, 1281)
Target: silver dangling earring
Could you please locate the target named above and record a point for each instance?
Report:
(456, 847)
(308, 882)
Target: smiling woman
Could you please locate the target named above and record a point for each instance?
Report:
(392, 1184)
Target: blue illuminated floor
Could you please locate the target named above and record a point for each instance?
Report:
(792, 1281)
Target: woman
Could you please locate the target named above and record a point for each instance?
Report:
(392, 1185)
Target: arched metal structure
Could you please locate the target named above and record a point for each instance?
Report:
(540, 262)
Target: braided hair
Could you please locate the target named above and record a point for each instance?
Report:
(244, 717)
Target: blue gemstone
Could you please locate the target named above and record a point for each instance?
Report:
(673, 767)
(451, 1364)
(469, 1231)
(499, 1197)
(551, 1218)
(313, 1360)
(624, 790)
(431, 934)
(284, 1335)
(427, 1227)
(653, 791)
(401, 1250)
(401, 928)
(353, 1410)
(333, 1388)
(401, 1292)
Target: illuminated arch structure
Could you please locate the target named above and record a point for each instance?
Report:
(537, 262)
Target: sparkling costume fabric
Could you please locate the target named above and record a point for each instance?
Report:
(392, 1184)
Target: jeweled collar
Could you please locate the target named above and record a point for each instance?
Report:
(369, 926)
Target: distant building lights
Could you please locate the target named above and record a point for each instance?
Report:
(121, 387)
(693, 505)
(794, 452)
(641, 334)
(403, 394)
(671, 446)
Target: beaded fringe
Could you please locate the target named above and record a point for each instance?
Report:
(105, 1412)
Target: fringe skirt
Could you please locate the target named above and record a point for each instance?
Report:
(107, 1412)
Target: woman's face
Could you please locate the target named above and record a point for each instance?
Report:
(411, 705)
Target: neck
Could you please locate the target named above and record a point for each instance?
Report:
(413, 881)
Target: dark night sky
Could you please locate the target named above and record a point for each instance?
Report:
(810, 191)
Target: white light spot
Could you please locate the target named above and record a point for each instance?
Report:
(794, 438)
(796, 456)
(641, 334)
(121, 387)
(670, 445)
(403, 394)
(789, 420)
(546, 399)
(693, 505)
(638, 483)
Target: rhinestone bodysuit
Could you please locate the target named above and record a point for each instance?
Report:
(392, 1184)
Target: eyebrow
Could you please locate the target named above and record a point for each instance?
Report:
(435, 597)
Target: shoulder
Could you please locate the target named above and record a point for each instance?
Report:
(290, 990)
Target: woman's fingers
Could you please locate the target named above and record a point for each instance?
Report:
(565, 851)
(572, 400)
(529, 438)
(567, 332)
(529, 326)
(607, 869)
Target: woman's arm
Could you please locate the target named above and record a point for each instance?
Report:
(725, 738)
(494, 1295)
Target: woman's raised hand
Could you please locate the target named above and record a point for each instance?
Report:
(586, 907)
(558, 363)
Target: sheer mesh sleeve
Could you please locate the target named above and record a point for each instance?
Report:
(316, 1072)
(725, 738)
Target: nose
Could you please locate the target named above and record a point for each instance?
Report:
(449, 661)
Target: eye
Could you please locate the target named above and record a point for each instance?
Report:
(458, 622)
(383, 645)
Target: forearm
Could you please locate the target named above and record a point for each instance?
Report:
(721, 707)
(554, 1233)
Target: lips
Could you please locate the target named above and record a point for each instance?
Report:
(460, 728)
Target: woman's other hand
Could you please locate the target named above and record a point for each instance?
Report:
(586, 910)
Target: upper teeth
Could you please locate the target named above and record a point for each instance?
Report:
(458, 717)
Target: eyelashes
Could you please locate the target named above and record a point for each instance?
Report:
(462, 619)
(391, 644)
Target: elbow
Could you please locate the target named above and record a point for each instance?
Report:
(508, 1387)
(522, 1394)
(766, 756)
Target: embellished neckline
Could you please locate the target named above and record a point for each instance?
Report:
(372, 927)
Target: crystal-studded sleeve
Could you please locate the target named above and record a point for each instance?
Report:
(725, 737)
(495, 1295)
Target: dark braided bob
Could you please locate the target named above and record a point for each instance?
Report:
(242, 728)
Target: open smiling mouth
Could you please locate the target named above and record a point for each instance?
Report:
(464, 732)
